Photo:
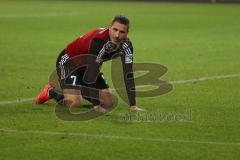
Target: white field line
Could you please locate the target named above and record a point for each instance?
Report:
(54, 133)
(15, 15)
(17, 101)
(205, 79)
(172, 82)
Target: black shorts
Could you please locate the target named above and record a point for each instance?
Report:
(75, 79)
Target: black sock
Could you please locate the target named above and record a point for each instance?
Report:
(56, 95)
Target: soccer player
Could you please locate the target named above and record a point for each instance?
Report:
(103, 44)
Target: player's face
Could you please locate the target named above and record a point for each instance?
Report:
(118, 32)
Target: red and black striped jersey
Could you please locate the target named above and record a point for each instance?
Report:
(92, 43)
(82, 45)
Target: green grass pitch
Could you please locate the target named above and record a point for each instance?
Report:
(191, 40)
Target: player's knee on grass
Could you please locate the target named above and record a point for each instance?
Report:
(109, 102)
(72, 101)
(107, 99)
(72, 97)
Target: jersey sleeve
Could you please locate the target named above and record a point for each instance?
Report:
(127, 63)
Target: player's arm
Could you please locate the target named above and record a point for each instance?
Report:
(127, 63)
(129, 81)
(93, 70)
(97, 50)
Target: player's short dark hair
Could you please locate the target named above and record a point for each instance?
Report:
(121, 19)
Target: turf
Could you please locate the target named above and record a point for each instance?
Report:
(191, 40)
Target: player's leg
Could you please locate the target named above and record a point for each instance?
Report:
(67, 97)
(72, 97)
(105, 94)
(106, 98)
(43, 96)
(50, 92)
(71, 94)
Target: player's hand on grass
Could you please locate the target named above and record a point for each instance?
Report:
(135, 109)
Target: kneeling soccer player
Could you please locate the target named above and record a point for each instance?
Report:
(102, 43)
